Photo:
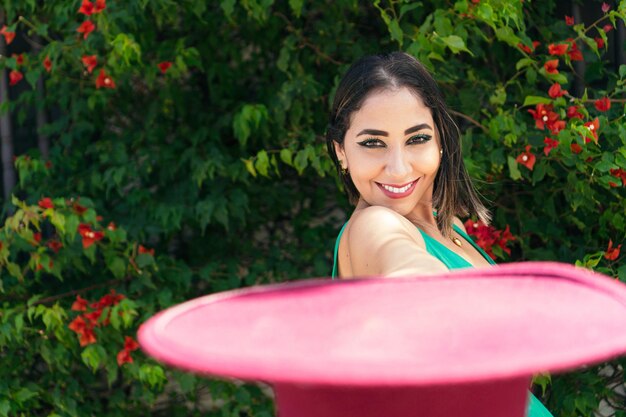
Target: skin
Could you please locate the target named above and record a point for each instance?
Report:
(392, 141)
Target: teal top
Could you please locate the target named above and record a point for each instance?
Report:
(454, 261)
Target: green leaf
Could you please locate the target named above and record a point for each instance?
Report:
(514, 172)
(23, 395)
(153, 375)
(539, 172)
(117, 266)
(532, 100)
(621, 273)
(296, 7)
(286, 156)
(249, 164)
(5, 407)
(507, 35)
(396, 32)
(32, 77)
(523, 63)
(15, 270)
(301, 161)
(93, 356)
(262, 163)
(228, 7)
(455, 43)
(144, 260)
(485, 12)
(408, 7)
(622, 71)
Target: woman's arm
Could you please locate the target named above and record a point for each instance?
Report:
(383, 243)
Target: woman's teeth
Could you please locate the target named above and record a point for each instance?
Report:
(395, 189)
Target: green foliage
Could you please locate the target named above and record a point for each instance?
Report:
(218, 163)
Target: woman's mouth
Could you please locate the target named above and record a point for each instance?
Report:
(397, 191)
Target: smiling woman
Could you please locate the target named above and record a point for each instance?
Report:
(398, 153)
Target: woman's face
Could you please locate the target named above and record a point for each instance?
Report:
(392, 151)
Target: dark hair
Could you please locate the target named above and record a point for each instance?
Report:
(453, 192)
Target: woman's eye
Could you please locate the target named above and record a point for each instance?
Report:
(421, 138)
(372, 143)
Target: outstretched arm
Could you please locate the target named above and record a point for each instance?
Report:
(383, 243)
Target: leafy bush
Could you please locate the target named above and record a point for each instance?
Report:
(196, 128)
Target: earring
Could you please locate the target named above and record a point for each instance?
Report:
(344, 171)
(440, 152)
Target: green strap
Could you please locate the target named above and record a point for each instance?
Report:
(335, 263)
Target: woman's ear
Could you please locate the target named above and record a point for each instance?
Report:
(341, 154)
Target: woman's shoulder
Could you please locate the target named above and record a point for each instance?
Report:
(374, 220)
(380, 241)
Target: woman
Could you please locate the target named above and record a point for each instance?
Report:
(398, 153)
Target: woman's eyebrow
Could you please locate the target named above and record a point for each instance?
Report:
(417, 128)
(375, 132)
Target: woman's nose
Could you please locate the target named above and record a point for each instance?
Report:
(398, 165)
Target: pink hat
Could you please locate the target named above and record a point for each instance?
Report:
(461, 344)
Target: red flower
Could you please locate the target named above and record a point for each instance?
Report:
(84, 330)
(559, 49)
(551, 66)
(569, 20)
(607, 28)
(89, 236)
(108, 300)
(593, 127)
(543, 115)
(605, 7)
(46, 203)
(164, 66)
(123, 357)
(86, 8)
(528, 49)
(573, 52)
(487, 237)
(86, 28)
(130, 344)
(55, 245)
(612, 253)
(93, 317)
(556, 126)
(90, 62)
(104, 80)
(111, 226)
(80, 210)
(37, 237)
(602, 104)
(19, 59)
(80, 304)
(527, 158)
(15, 77)
(576, 148)
(555, 91)
(145, 250)
(599, 42)
(47, 64)
(550, 144)
(8, 36)
(573, 113)
(619, 173)
(99, 6)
